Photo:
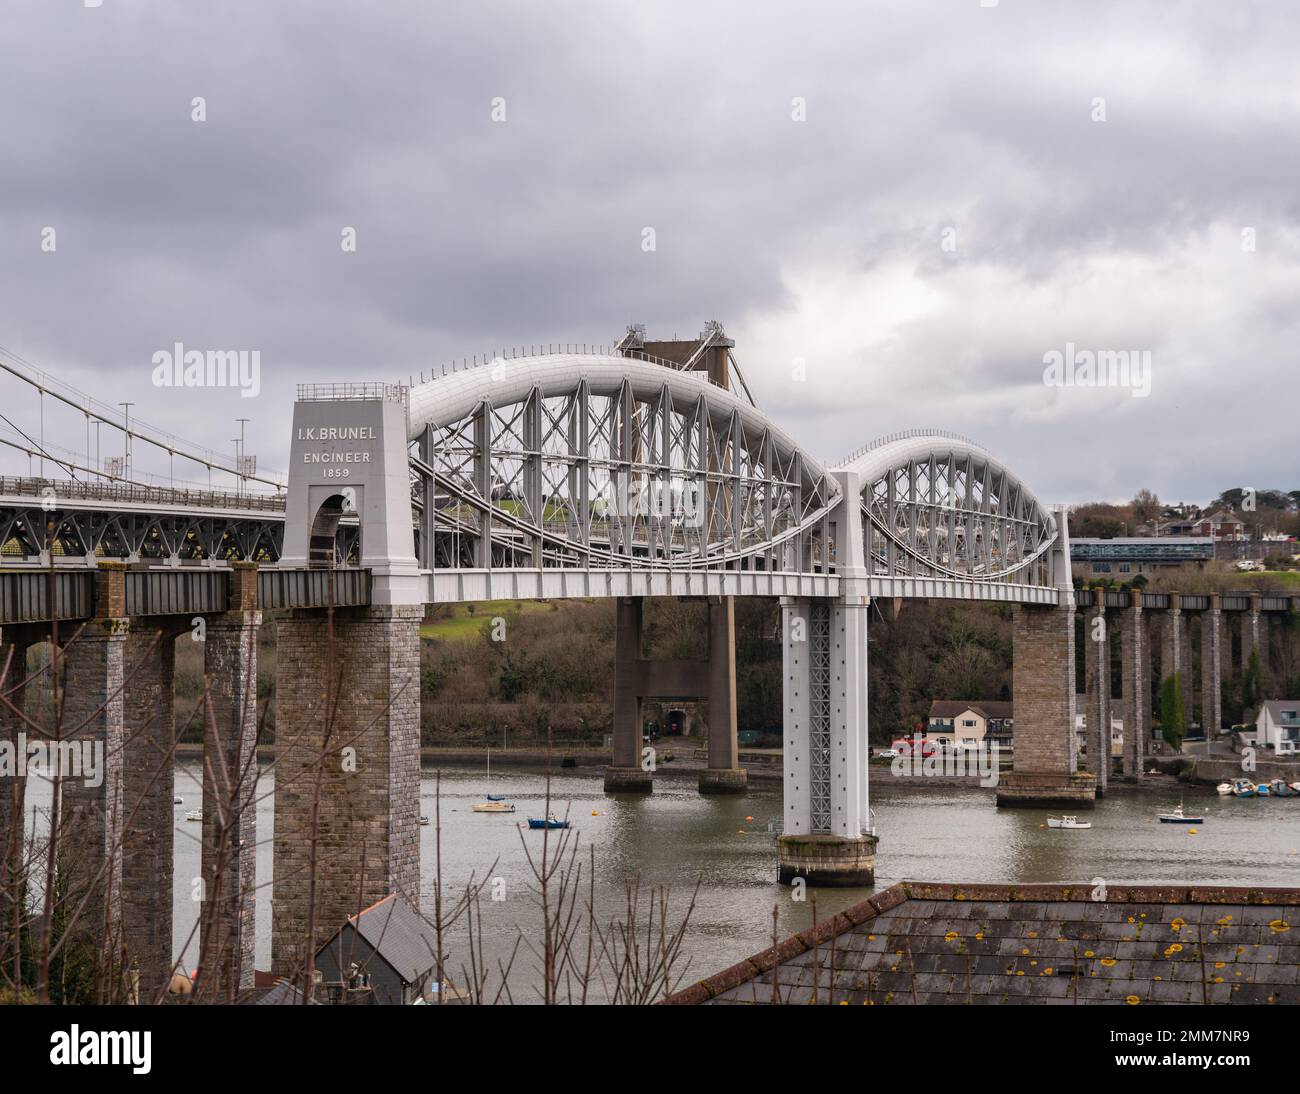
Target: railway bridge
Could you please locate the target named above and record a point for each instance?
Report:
(641, 470)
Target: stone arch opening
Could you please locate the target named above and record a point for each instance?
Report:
(324, 532)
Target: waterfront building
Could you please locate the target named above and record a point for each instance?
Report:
(970, 723)
(1277, 726)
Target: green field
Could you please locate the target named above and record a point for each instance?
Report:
(462, 626)
(1288, 579)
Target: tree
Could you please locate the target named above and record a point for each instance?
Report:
(1096, 520)
(1173, 724)
(1146, 506)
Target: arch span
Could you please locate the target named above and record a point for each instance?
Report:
(938, 505)
(590, 461)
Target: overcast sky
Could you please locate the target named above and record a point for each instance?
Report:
(950, 209)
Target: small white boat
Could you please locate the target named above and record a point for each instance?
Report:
(1178, 816)
(1067, 822)
(194, 815)
(494, 807)
(178, 800)
(1225, 789)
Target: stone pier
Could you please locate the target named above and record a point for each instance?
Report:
(1096, 637)
(1250, 637)
(1173, 662)
(1045, 769)
(14, 643)
(347, 771)
(90, 815)
(1135, 675)
(227, 925)
(148, 817)
(1211, 662)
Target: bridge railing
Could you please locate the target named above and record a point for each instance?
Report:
(58, 489)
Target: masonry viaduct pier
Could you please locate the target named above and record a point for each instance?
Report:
(640, 471)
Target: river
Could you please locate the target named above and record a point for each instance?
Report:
(676, 836)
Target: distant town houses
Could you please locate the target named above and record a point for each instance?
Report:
(1221, 524)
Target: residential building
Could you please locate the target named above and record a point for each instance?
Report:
(1220, 524)
(384, 954)
(1277, 726)
(1116, 733)
(970, 723)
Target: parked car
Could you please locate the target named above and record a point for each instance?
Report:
(888, 754)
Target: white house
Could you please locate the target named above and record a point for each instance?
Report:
(1277, 726)
(970, 724)
(1116, 733)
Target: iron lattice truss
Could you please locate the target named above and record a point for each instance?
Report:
(28, 532)
(587, 479)
(819, 725)
(955, 513)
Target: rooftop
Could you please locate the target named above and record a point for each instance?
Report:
(918, 942)
(990, 708)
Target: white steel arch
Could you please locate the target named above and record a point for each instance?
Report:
(937, 505)
(601, 462)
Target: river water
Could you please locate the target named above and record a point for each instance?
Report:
(676, 836)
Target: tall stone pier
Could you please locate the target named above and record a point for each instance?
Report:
(1135, 673)
(148, 818)
(1045, 768)
(227, 921)
(1096, 637)
(347, 794)
(1045, 771)
(14, 643)
(1211, 663)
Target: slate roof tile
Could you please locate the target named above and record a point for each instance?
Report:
(1036, 943)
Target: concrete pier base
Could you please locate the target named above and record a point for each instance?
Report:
(722, 780)
(827, 860)
(1046, 791)
(628, 780)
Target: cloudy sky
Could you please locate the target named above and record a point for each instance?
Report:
(918, 199)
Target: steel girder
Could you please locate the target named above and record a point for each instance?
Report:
(613, 476)
(144, 535)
